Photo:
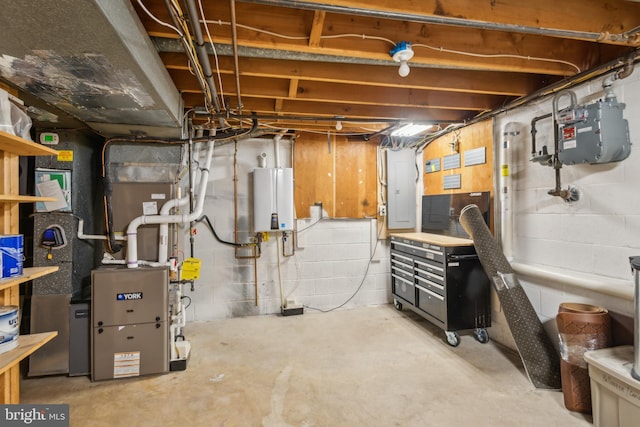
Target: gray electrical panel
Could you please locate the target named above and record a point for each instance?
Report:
(129, 322)
(595, 133)
(401, 189)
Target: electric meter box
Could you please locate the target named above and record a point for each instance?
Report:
(273, 199)
(594, 133)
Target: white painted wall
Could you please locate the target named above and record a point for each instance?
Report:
(331, 260)
(581, 249)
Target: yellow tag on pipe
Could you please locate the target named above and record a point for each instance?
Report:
(504, 170)
(190, 269)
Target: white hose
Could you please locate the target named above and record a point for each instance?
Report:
(132, 229)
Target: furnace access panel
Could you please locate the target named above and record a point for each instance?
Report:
(129, 312)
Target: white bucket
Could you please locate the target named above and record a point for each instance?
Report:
(9, 328)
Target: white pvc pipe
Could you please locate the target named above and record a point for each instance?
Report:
(605, 285)
(163, 244)
(510, 139)
(80, 234)
(276, 148)
(132, 229)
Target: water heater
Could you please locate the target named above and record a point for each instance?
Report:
(273, 199)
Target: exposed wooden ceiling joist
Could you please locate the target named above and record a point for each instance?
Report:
(332, 58)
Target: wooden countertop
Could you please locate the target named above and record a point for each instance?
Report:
(437, 239)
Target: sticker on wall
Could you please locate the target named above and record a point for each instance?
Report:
(451, 162)
(432, 165)
(477, 156)
(450, 182)
(65, 155)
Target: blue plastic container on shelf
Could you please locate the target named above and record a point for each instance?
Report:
(11, 255)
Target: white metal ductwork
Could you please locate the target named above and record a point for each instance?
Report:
(92, 59)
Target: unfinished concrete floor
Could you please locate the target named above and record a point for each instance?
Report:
(362, 367)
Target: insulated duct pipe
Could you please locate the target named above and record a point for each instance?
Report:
(132, 229)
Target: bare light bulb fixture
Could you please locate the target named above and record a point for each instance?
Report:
(338, 125)
(402, 53)
(404, 69)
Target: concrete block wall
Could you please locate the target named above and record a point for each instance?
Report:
(333, 267)
(582, 248)
(334, 258)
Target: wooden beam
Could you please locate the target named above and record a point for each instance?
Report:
(340, 93)
(316, 28)
(321, 109)
(288, 31)
(482, 82)
(615, 16)
(279, 103)
(293, 88)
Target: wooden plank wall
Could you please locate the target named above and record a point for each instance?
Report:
(473, 178)
(339, 173)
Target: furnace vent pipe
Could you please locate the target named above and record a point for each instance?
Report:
(132, 229)
(163, 248)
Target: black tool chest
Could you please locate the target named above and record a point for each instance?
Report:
(441, 279)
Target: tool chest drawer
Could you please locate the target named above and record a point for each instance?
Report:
(403, 288)
(431, 303)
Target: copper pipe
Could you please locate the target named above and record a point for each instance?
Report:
(235, 207)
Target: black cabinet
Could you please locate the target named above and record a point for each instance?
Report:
(441, 278)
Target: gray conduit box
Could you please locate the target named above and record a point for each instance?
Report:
(595, 133)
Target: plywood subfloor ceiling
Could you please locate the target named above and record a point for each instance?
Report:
(307, 65)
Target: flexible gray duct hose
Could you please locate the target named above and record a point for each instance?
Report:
(539, 356)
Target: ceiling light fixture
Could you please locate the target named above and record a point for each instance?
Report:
(338, 125)
(410, 129)
(402, 53)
